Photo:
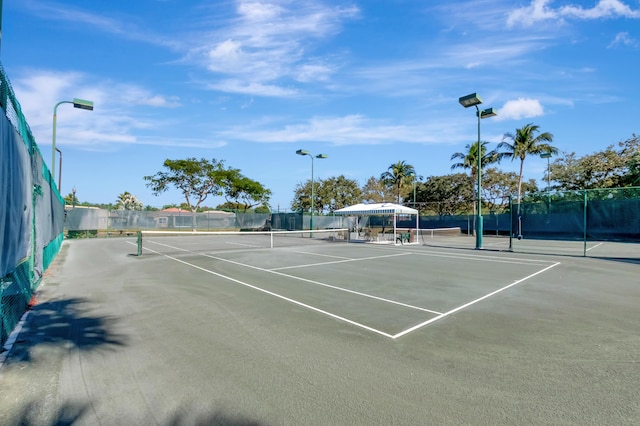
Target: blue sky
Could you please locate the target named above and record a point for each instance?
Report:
(368, 83)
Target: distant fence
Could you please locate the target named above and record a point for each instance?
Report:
(90, 222)
(594, 215)
(31, 212)
(611, 214)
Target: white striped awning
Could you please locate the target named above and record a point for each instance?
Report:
(377, 208)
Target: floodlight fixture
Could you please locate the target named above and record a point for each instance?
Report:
(77, 103)
(486, 113)
(470, 100)
(82, 104)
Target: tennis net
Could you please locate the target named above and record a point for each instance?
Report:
(174, 242)
(426, 236)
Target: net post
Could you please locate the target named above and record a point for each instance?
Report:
(139, 239)
(510, 222)
(584, 253)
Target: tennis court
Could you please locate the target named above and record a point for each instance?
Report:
(227, 330)
(388, 290)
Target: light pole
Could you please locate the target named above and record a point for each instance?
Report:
(303, 152)
(59, 172)
(77, 103)
(469, 101)
(547, 155)
(414, 179)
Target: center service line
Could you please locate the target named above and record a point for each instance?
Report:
(357, 324)
(271, 271)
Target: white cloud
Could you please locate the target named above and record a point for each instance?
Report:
(540, 10)
(252, 88)
(520, 108)
(624, 39)
(354, 129)
(267, 43)
(536, 11)
(257, 11)
(118, 108)
(604, 9)
(313, 72)
(58, 12)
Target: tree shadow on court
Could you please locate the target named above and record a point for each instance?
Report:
(71, 413)
(618, 259)
(216, 418)
(31, 414)
(62, 323)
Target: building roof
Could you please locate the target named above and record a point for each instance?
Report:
(377, 208)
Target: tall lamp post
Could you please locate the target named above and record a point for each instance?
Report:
(547, 155)
(77, 103)
(469, 101)
(303, 152)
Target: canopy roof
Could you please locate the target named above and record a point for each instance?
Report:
(378, 208)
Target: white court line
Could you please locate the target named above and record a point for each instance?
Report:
(318, 283)
(323, 255)
(346, 290)
(398, 335)
(304, 305)
(458, 255)
(466, 305)
(597, 245)
(512, 260)
(339, 261)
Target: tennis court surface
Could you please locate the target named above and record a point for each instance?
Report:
(221, 330)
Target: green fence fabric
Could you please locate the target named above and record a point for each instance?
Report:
(595, 215)
(31, 212)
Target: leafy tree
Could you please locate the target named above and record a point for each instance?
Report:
(633, 177)
(397, 176)
(197, 179)
(375, 191)
(609, 168)
(329, 194)
(128, 201)
(340, 192)
(244, 191)
(497, 186)
(302, 197)
(525, 142)
(229, 205)
(71, 199)
(446, 195)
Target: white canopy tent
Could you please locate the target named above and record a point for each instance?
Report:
(380, 209)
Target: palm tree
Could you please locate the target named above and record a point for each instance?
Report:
(469, 159)
(523, 143)
(128, 201)
(397, 175)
